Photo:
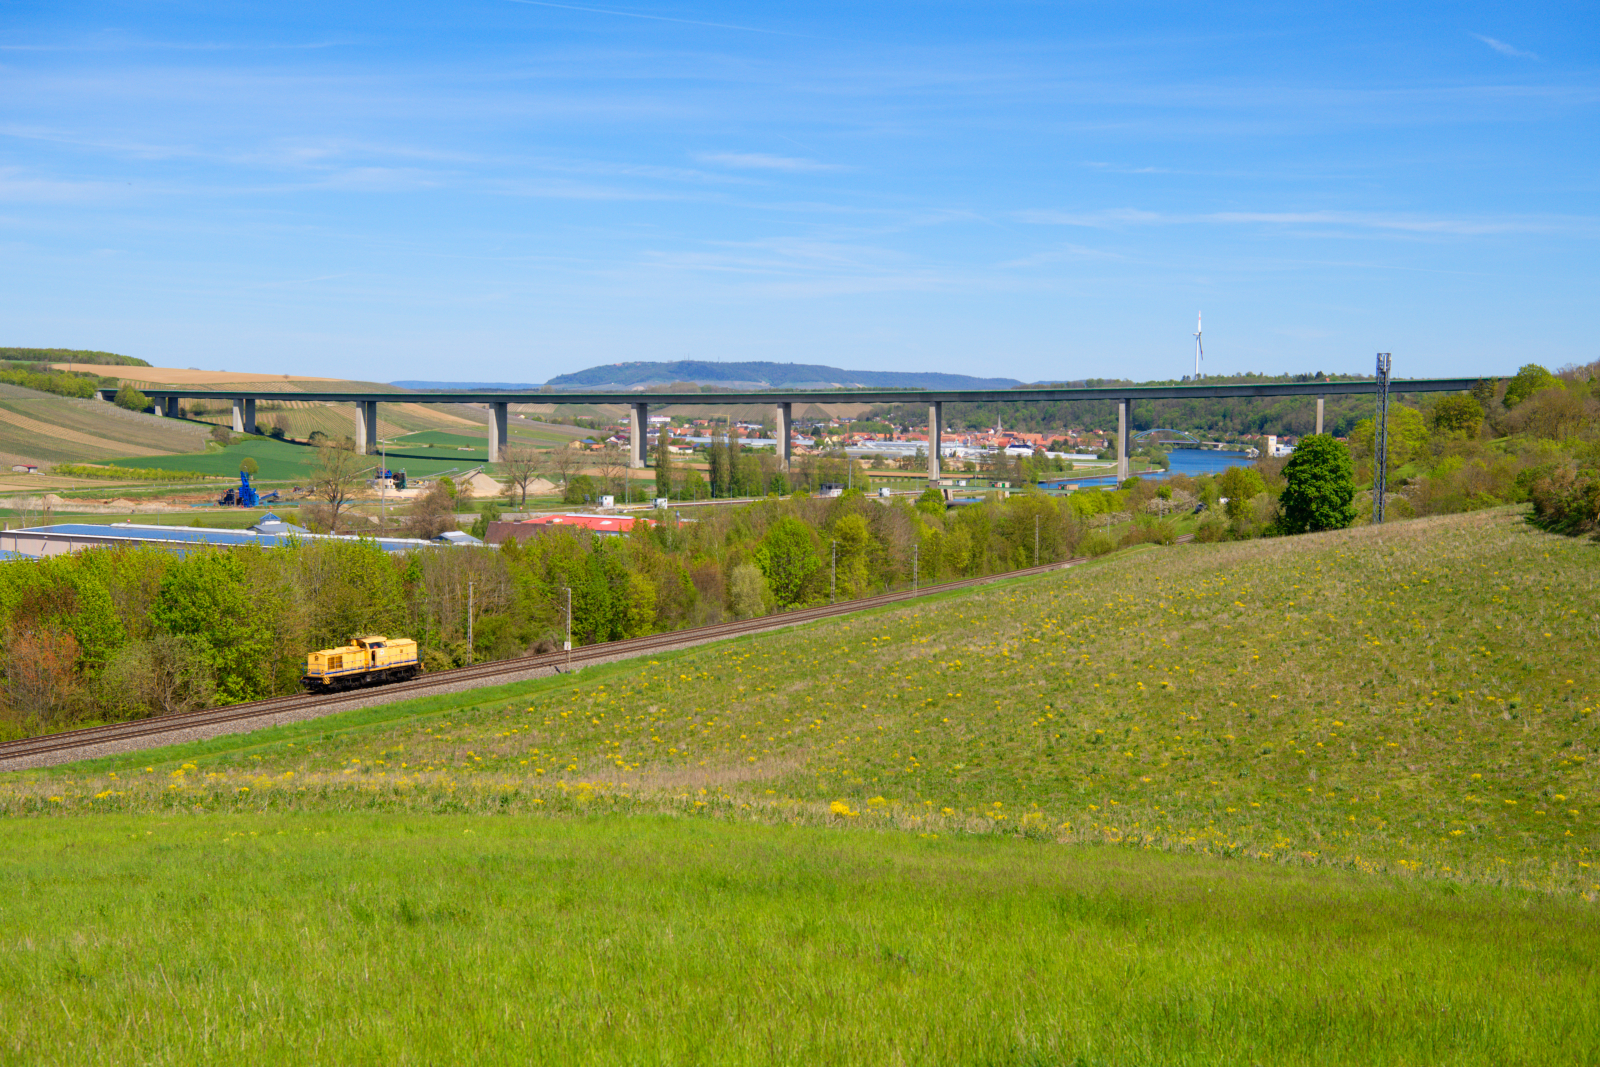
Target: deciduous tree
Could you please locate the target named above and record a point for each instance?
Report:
(522, 467)
(334, 481)
(1321, 486)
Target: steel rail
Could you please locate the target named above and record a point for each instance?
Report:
(479, 675)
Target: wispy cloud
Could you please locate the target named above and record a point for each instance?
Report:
(1505, 49)
(654, 18)
(762, 161)
(1118, 218)
(1109, 218)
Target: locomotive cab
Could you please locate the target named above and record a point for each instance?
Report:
(368, 660)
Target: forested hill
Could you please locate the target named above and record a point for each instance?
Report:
(69, 355)
(1203, 415)
(765, 376)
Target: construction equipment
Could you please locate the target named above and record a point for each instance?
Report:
(241, 496)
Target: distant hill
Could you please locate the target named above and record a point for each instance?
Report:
(69, 355)
(468, 387)
(623, 376)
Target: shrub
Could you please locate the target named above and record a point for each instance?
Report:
(131, 474)
(131, 399)
(1150, 531)
(62, 383)
(578, 490)
(1566, 500)
(1097, 543)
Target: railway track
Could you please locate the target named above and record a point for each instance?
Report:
(114, 738)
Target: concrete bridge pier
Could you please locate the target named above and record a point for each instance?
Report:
(935, 438)
(244, 415)
(1320, 400)
(366, 426)
(638, 428)
(1123, 440)
(499, 430)
(785, 423)
(171, 404)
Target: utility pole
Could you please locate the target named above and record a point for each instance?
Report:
(469, 622)
(569, 629)
(916, 559)
(1380, 480)
(383, 484)
(1036, 540)
(833, 575)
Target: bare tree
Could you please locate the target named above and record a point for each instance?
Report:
(613, 467)
(522, 468)
(565, 461)
(432, 513)
(334, 481)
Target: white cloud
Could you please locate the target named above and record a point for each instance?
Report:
(762, 161)
(1121, 217)
(1505, 49)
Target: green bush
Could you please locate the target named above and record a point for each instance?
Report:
(131, 399)
(126, 474)
(1097, 543)
(1567, 501)
(62, 383)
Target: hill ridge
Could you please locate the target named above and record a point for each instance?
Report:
(760, 374)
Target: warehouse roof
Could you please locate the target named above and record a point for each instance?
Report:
(72, 536)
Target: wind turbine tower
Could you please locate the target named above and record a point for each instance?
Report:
(1199, 353)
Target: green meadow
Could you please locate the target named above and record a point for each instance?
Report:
(1322, 799)
(410, 939)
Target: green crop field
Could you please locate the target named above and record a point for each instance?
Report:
(288, 461)
(1324, 799)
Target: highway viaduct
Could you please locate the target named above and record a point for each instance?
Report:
(366, 405)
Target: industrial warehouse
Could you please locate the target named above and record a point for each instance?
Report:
(36, 542)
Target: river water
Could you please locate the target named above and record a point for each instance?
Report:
(1190, 461)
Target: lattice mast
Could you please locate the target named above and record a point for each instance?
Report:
(1380, 480)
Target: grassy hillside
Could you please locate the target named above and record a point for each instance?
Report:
(1321, 800)
(41, 428)
(1413, 699)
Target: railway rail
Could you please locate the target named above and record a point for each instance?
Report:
(115, 738)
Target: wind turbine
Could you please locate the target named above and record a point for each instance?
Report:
(1199, 352)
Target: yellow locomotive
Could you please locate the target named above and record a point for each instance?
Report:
(369, 660)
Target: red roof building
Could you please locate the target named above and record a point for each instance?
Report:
(602, 525)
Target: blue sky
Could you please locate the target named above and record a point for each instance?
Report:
(509, 190)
